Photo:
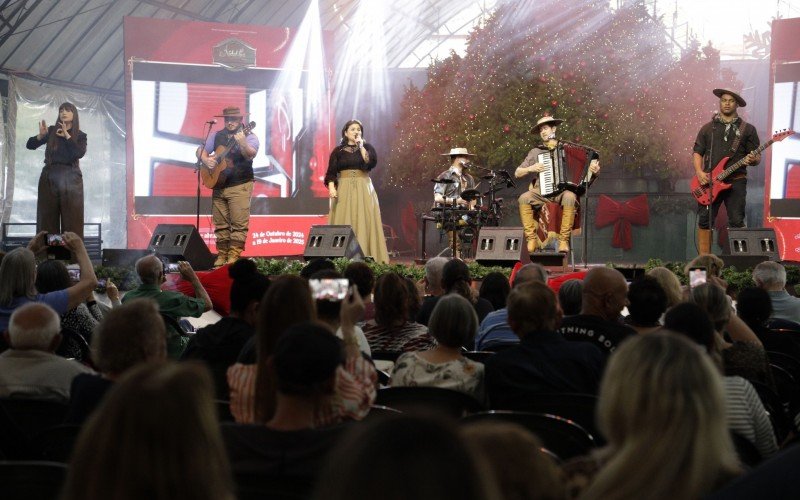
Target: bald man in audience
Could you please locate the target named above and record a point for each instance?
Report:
(543, 362)
(30, 369)
(171, 305)
(771, 277)
(495, 330)
(605, 295)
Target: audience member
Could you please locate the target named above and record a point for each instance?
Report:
(316, 265)
(253, 388)
(494, 331)
(172, 305)
(771, 277)
(404, 457)
(18, 278)
(662, 409)
(391, 329)
(453, 324)
(129, 335)
(360, 275)
(754, 307)
(157, 437)
(570, 297)
(647, 303)
(432, 283)
(289, 445)
(669, 283)
(712, 264)
(514, 455)
(30, 369)
(744, 355)
(51, 276)
(495, 288)
(543, 362)
(329, 311)
(219, 344)
(745, 412)
(605, 295)
(456, 279)
(414, 298)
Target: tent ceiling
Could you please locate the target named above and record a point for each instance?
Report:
(80, 41)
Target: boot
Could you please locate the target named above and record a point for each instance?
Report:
(529, 226)
(237, 247)
(222, 254)
(703, 240)
(567, 219)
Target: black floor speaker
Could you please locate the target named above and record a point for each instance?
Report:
(332, 242)
(181, 242)
(501, 246)
(753, 241)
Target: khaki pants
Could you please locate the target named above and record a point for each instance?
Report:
(230, 209)
(532, 197)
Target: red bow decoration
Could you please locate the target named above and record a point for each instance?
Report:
(622, 215)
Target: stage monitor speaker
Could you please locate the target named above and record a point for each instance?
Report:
(501, 246)
(122, 257)
(181, 242)
(332, 242)
(742, 262)
(753, 241)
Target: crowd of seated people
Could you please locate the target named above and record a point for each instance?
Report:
(300, 385)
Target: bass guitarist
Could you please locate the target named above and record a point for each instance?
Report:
(725, 136)
(230, 203)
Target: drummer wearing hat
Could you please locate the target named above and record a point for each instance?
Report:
(725, 135)
(230, 202)
(455, 181)
(532, 199)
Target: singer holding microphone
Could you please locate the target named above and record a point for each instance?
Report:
(532, 199)
(353, 198)
(59, 207)
(230, 201)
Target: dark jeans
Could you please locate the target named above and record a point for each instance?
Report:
(59, 207)
(734, 199)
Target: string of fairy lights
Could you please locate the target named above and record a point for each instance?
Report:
(610, 74)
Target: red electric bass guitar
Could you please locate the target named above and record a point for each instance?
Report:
(705, 194)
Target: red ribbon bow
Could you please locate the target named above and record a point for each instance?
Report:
(622, 215)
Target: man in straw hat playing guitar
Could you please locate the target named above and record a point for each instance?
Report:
(533, 199)
(726, 135)
(230, 203)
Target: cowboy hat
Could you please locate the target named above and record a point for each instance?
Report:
(231, 111)
(458, 152)
(546, 120)
(720, 92)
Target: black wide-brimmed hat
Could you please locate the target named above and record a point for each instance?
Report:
(739, 100)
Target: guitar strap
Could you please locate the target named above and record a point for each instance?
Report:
(738, 140)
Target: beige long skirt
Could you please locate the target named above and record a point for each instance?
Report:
(357, 206)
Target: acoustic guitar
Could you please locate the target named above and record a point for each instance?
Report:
(705, 194)
(216, 177)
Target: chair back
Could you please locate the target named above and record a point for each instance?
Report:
(31, 480)
(377, 412)
(786, 361)
(781, 423)
(224, 410)
(386, 355)
(56, 443)
(428, 399)
(33, 416)
(580, 408)
(74, 346)
(250, 486)
(561, 436)
(787, 388)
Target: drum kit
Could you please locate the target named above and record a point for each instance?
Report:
(482, 209)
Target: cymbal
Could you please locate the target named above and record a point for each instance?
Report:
(471, 194)
(443, 181)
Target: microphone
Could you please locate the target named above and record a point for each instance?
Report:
(211, 122)
(551, 137)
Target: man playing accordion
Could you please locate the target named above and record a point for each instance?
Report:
(574, 158)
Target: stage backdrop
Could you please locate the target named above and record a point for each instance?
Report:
(179, 75)
(782, 191)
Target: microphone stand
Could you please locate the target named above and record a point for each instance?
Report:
(197, 167)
